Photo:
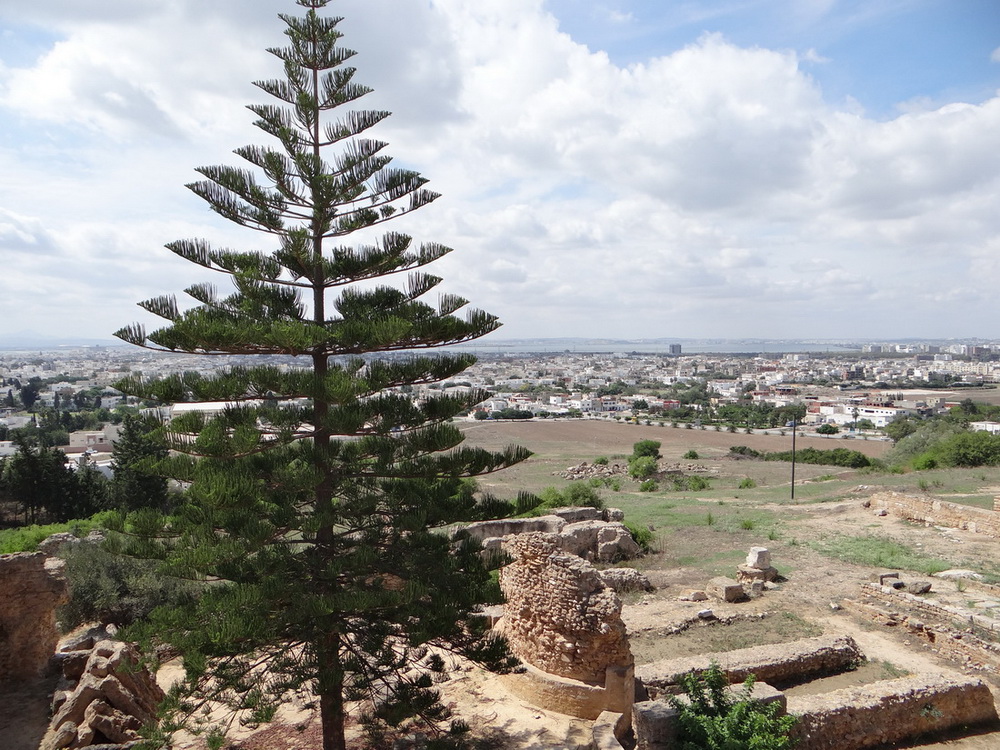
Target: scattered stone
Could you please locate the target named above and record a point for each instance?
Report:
(726, 589)
(881, 512)
(835, 607)
(959, 573)
(746, 573)
(706, 614)
(917, 587)
(695, 595)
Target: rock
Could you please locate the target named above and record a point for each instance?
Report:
(881, 512)
(881, 578)
(52, 544)
(917, 587)
(746, 573)
(64, 736)
(32, 585)
(706, 614)
(726, 589)
(959, 573)
(625, 579)
(694, 595)
(759, 557)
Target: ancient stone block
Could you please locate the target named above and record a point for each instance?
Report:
(746, 573)
(726, 589)
(655, 725)
(759, 557)
(917, 587)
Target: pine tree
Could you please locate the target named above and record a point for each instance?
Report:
(132, 487)
(317, 492)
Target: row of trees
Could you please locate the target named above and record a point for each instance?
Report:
(38, 485)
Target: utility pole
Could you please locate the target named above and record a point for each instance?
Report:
(794, 422)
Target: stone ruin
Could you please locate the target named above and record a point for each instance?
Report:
(565, 624)
(592, 534)
(105, 695)
(752, 578)
(32, 585)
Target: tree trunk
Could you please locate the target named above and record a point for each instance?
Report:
(331, 698)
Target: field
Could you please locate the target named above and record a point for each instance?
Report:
(824, 543)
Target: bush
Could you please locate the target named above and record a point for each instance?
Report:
(649, 485)
(575, 494)
(827, 429)
(691, 455)
(601, 461)
(747, 484)
(742, 450)
(643, 448)
(110, 588)
(642, 535)
(642, 467)
(712, 717)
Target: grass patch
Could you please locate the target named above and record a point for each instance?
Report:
(878, 552)
(27, 538)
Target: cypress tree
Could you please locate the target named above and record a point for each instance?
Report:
(317, 486)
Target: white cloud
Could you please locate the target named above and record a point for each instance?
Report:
(712, 191)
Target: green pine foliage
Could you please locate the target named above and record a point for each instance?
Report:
(317, 495)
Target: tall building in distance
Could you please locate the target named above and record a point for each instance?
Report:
(675, 349)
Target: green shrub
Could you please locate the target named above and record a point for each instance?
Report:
(712, 717)
(601, 461)
(112, 588)
(642, 535)
(650, 448)
(650, 485)
(747, 484)
(742, 450)
(697, 484)
(642, 467)
(748, 524)
(691, 455)
(575, 494)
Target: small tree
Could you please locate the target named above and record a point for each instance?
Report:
(135, 451)
(646, 448)
(827, 429)
(713, 717)
(317, 495)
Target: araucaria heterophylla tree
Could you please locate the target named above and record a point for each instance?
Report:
(316, 494)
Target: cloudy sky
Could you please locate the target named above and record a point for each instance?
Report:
(611, 168)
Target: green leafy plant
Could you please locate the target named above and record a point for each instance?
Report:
(650, 485)
(642, 535)
(691, 455)
(713, 716)
(601, 461)
(747, 484)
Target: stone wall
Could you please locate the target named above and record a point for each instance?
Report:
(779, 664)
(889, 711)
(31, 587)
(559, 615)
(929, 608)
(939, 512)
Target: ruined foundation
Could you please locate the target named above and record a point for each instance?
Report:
(780, 664)
(889, 711)
(939, 513)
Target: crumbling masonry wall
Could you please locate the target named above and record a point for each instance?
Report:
(889, 711)
(560, 616)
(31, 587)
(779, 664)
(939, 512)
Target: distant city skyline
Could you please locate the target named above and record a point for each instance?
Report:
(793, 169)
